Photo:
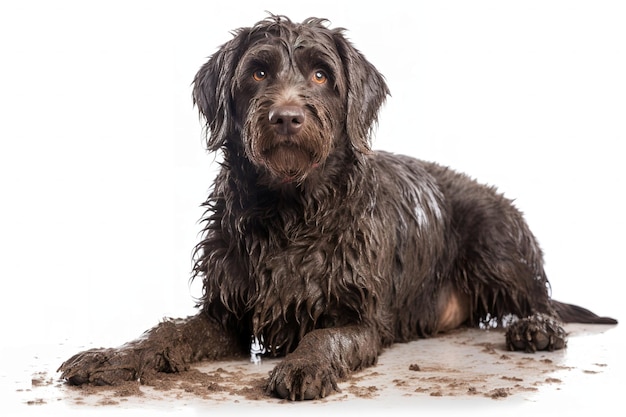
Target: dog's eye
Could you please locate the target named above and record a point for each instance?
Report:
(259, 75)
(319, 77)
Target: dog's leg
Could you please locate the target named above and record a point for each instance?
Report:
(322, 357)
(168, 347)
(537, 332)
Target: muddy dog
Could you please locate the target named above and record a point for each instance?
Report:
(322, 249)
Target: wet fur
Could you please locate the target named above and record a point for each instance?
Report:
(325, 250)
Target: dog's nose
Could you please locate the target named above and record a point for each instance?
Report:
(287, 120)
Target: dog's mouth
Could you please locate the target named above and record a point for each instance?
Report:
(290, 162)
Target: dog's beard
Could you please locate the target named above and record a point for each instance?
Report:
(289, 162)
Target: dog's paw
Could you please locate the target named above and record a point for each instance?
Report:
(537, 332)
(102, 367)
(302, 379)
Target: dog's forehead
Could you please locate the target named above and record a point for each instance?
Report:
(309, 37)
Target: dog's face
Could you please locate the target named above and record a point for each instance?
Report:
(288, 95)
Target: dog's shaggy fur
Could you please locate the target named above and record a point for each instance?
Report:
(322, 249)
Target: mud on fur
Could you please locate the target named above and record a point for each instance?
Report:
(323, 249)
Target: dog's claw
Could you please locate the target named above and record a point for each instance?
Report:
(537, 332)
(301, 379)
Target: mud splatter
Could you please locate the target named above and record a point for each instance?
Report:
(462, 363)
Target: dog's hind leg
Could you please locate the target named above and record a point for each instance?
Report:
(499, 264)
(514, 287)
(542, 332)
(170, 346)
(537, 332)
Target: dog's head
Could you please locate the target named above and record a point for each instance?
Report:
(288, 94)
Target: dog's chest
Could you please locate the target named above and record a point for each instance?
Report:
(311, 270)
(295, 257)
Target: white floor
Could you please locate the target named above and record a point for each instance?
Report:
(468, 371)
(102, 170)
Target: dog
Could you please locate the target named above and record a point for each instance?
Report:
(323, 250)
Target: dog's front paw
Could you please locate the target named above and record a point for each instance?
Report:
(302, 379)
(103, 367)
(537, 332)
(133, 361)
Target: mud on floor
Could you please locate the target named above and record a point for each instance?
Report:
(467, 362)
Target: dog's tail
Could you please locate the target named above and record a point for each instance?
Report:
(570, 313)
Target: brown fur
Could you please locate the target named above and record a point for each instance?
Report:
(322, 249)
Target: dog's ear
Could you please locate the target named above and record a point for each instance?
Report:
(212, 90)
(366, 92)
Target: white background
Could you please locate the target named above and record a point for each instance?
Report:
(102, 168)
